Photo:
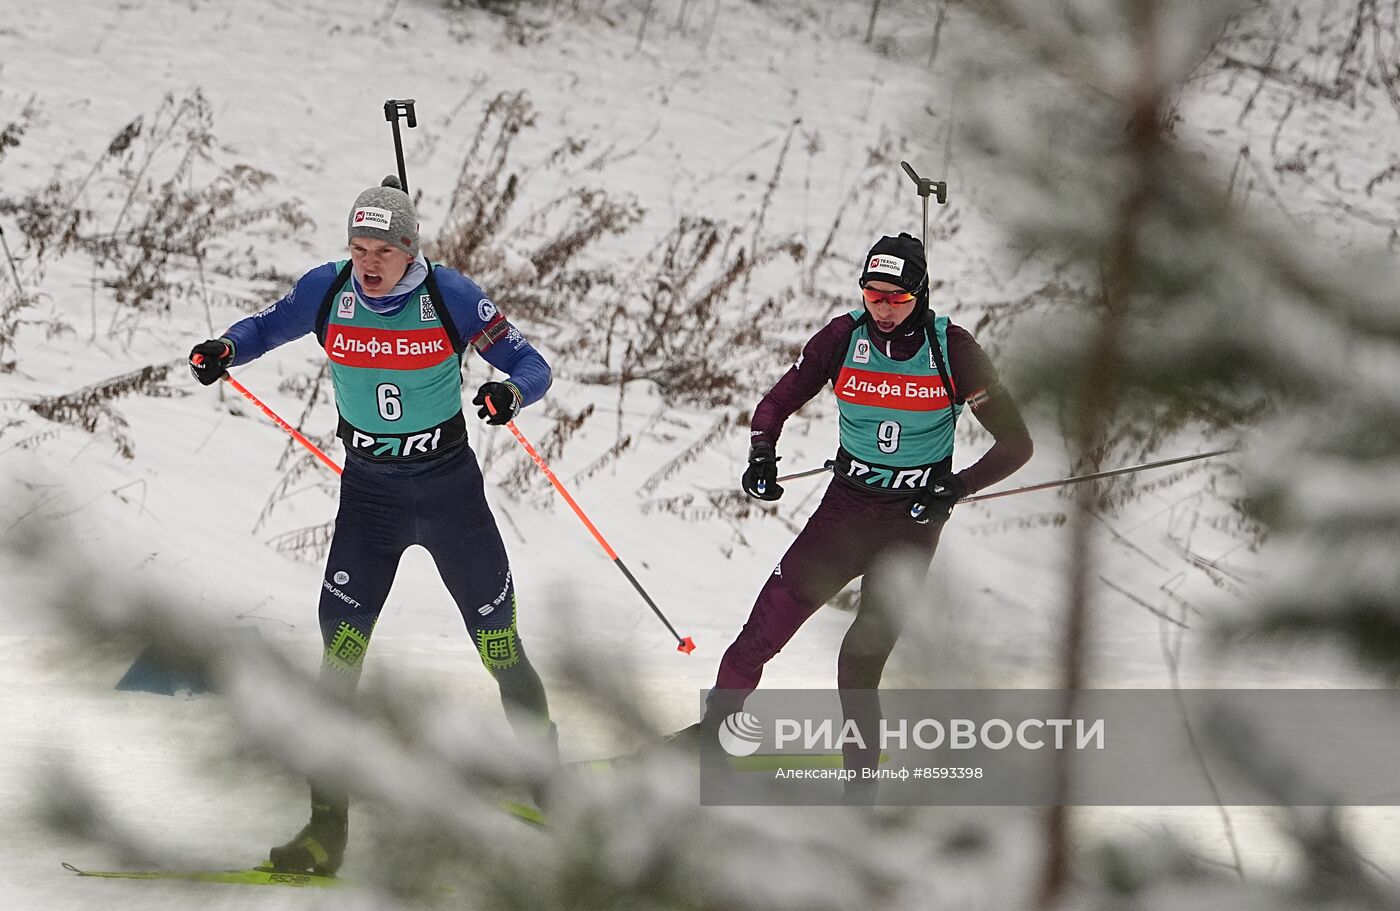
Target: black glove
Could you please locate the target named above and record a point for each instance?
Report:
(209, 359)
(760, 479)
(504, 397)
(935, 502)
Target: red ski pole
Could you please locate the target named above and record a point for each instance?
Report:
(684, 643)
(296, 435)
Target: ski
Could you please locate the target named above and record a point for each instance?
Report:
(253, 876)
(523, 811)
(758, 762)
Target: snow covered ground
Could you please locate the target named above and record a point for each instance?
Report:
(690, 122)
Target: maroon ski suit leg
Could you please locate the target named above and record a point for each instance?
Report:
(849, 535)
(872, 636)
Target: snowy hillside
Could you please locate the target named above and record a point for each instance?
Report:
(775, 127)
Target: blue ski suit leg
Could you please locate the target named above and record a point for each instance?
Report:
(439, 504)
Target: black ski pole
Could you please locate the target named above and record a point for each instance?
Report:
(395, 108)
(1047, 485)
(13, 271)
(1096, 476)
(808, 473)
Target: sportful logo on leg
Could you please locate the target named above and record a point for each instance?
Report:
(498, 600)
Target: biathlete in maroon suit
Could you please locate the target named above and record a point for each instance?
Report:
(901, 376)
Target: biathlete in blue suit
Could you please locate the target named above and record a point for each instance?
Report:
(394, 329)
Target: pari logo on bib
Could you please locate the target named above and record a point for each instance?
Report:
(372, 217)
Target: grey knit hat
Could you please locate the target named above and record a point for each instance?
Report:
(387, 214)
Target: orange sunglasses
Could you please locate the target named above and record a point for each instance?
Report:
(889, 297)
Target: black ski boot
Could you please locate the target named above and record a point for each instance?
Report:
(700, 738)
(320, 846)
(700, 741)
(693, 739)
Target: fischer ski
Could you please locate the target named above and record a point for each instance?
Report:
(253, 876)
(523, 812)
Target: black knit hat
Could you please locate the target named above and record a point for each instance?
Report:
(897, 260)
